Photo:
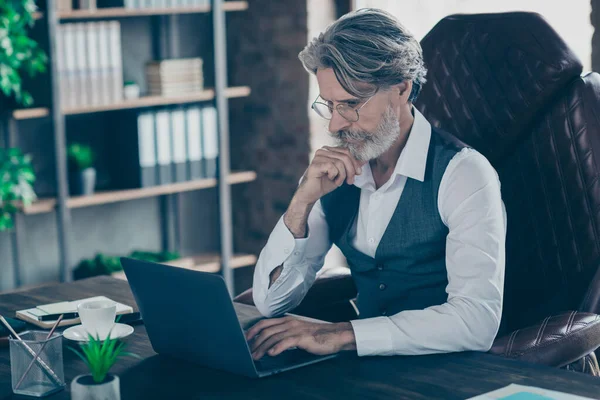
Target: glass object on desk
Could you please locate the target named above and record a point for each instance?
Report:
(36, 364)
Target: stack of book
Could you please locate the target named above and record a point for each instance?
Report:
(90, 63)
(174, 77)
(137, 4)
(168, 146)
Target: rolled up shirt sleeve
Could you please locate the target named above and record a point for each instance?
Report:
(301, 260)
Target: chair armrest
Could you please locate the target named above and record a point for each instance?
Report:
(328, 299)
(557, 341)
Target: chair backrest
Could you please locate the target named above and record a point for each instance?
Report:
(508, 85)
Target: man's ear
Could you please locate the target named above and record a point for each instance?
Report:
(404, 90)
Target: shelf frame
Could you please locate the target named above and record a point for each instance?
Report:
(121, 12)
(49, 205)
(153, 101)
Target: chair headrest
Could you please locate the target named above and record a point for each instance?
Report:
(490, 75)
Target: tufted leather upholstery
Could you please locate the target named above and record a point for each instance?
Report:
(490, 75)
(575, 332)
(507, 85)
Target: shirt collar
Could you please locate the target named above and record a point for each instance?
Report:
(413, 158)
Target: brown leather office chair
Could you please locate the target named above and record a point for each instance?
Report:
(508, 85)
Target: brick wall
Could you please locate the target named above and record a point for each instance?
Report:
(270, 129)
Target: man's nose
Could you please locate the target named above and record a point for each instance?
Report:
(337, 122)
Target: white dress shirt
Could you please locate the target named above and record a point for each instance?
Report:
(470, 205)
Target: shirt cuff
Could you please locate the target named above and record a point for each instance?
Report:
(373, 336)
(293, 251)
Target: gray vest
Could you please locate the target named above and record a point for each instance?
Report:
(409, 268)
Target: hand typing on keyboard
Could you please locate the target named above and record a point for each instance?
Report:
(273, 336)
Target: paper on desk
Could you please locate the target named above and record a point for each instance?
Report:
(520, 392)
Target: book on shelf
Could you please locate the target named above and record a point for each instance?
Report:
(174, 76)
(93, 83)
(193, 117)
(163, 146)
(210, 136)
(134, 156)
(90, 64)
(178, 145)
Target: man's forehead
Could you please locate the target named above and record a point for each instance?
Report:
(330, 88)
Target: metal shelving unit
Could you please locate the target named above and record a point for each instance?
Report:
(223, 262)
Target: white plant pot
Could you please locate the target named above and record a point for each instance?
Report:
(82, 390)
(87, 181)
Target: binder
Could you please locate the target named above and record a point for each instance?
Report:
(60, 64)
(71, 98)
(194, 143)
(210, 136)
(163, 146)
(179, 155)
(81, 68)
(93, 62)
(116, 62)
(146, 150)
(104, 62)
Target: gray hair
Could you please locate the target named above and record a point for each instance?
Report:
(367, 46)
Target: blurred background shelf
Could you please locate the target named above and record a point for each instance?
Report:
(120, 12)
(30, 113)
(150, 101)
(205, 263)
(48, 205)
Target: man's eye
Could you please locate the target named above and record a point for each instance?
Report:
(352, 104)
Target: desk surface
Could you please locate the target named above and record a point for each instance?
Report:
(449, 376)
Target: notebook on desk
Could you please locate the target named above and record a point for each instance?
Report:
(31, 314)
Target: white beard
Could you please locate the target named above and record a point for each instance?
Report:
(371, 145)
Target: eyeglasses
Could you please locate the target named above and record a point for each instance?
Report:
(348, 112)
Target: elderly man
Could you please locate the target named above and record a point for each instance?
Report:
(419, 219)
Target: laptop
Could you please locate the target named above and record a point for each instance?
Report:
(189, 315)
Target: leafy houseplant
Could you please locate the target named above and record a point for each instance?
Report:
(19, 54)
(99, 356)
(83, 174)
(16, 184)
(102, 264)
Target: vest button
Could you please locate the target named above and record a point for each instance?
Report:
(382, 286)
(379, 267)
(384, 312)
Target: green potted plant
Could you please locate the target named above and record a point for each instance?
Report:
(99, 356)
(20, 55)
(83, 174)
(16, 184)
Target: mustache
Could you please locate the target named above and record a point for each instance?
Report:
(345, 134)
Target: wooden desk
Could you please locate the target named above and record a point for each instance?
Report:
(450, 376)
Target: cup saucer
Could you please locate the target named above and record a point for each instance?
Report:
(78, 334)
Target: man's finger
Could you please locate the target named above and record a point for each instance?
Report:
(284, 345)
(262, 324)
(341, 150)
(259, 352)
(348, 165)
(268, 333)
(331, 170)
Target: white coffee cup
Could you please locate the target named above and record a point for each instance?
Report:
(97, 317)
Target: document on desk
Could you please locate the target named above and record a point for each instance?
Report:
(520, 392)
(31, 314)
